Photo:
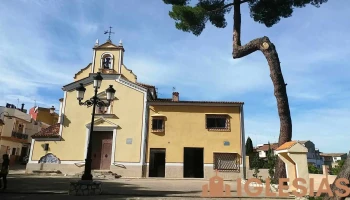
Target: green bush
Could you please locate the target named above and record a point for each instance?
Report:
(314, 170)
(335, 170)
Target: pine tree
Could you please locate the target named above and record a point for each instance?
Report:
(192, 17)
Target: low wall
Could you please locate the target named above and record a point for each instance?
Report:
(318, 178)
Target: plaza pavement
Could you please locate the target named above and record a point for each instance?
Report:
(21, 186)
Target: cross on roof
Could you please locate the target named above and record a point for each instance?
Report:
(109, 33)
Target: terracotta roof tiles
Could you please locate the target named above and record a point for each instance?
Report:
(332, 154)
(265, 147)
(49, 132)
(286, 145)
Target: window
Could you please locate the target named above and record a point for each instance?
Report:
(13, 151)
(107, 61)
(226, 161)
(217, 122)
(158, 124)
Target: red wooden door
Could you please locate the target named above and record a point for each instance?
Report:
(106, 154)
(96, 151)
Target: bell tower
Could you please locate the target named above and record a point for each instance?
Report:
(107, 57)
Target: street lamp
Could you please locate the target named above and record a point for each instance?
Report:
(93, 101)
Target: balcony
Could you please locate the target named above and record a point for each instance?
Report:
(19, 135)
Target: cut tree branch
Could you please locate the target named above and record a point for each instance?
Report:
(264, 45)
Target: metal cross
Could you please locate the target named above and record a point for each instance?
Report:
(109, 33)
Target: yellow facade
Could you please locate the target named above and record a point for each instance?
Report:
(185, 127)
(127, 123)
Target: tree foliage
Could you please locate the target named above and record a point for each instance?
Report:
(249, 149)
(193, 18)
(314, 170)
(271, 163)
(335, 170)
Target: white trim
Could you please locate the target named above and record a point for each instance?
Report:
(87, 133)
(144, 130)
(93, 61)
(281, 151)
(47, 139)
(113, 145)
(109, 109)
(131, 85)
(112, 61)
(243, 143)
(62, 112)
(120, 62)
(31, 150)
(145, 115)
(88, 125)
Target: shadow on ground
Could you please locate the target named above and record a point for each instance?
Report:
(26, 185)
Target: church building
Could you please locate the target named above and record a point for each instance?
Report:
(139, 134)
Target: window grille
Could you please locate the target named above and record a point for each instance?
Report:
(158, 124)
(217, 122)
(226, 162)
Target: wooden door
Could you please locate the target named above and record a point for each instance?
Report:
(106, 154)
(96, 151)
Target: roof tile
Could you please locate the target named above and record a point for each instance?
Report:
(286, 145)
(49, 132)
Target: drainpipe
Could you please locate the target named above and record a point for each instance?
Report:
(144, 166)
(243, 144)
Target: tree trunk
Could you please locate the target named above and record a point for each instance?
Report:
(268, 49)
(344, 173)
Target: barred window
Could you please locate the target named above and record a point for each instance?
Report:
(217, 122)
(226, 161)
(158, 124)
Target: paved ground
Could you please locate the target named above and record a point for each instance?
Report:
(22, 186)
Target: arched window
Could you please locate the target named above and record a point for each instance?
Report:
(107, 61)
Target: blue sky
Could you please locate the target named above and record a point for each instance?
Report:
(45, 42)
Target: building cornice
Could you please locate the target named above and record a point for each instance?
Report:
(151, 103)
(89, 80)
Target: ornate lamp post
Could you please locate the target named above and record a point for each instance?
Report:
(93, 101)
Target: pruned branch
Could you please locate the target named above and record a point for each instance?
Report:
(240, 51)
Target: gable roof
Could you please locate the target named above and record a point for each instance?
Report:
(110, 46)
(52, 131)
(332, 154)
(303, 141)
(170, 101)
(145, 85)
(80, 71)
(265, 147)
(286, 145)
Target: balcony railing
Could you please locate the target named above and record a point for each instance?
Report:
(19, 135)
